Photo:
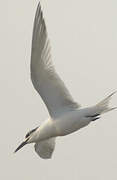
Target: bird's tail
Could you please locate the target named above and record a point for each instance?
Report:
(103, 106)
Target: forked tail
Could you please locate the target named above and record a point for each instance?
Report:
(103, 106)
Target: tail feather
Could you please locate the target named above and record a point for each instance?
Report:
(103, 106)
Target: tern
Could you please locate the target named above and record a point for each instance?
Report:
(66, 116)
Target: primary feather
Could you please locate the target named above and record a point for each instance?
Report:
(44, 78)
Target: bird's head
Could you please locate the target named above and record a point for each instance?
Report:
(28, 139)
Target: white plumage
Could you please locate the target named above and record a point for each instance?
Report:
(45, 148)
(44, 77)
(66, 116)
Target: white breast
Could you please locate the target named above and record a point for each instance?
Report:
(46, 130)
(70, 122)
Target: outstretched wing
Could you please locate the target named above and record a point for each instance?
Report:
(45, 148)
(44, 78)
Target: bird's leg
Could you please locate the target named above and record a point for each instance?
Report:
(93, 117)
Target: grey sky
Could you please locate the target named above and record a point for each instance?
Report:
(83, 37)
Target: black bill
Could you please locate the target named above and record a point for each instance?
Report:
(21, 145)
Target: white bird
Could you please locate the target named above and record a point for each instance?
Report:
(66, 116)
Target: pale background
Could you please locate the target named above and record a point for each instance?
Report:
(83, 36)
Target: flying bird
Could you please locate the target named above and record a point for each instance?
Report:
(66, 115)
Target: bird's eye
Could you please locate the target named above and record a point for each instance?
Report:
(30, 132)
(27, 135)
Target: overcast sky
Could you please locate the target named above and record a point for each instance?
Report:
(83, 36)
